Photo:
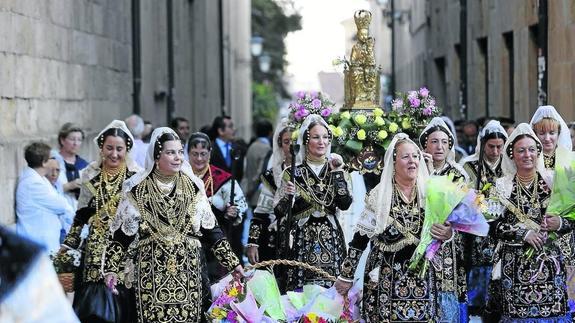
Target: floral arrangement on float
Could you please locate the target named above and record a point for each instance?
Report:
(307, 103)
(362, 135)
(258, 300)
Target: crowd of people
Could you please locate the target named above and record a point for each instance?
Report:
(161, 213)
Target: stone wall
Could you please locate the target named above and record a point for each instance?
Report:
(60, 61)
(501, 55)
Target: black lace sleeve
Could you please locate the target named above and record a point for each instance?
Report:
(343, 197)
(356, 248)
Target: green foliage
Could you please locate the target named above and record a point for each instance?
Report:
(264, 102)
(271, 22)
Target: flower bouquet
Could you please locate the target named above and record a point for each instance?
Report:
(447, 201)
(259, 300)
(562, 199)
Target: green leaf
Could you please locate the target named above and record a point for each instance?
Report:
(354, 145)
(345, 123)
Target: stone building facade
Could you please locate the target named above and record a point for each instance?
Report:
(72, 60)
(502, 54)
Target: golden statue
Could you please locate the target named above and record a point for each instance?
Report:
(361, 76)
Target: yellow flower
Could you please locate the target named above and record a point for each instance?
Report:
(331, 128)
(361, 134)
(233, 292)
(345, 115)
(360, 119)
(377, 112)
(337, 131)
(393, 127)
(405, 123)
(294, 135)
(382, 134)
(219, 313)
(379, 121)
(313, 317)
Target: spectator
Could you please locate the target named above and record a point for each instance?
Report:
(255, 156)
(27, 275)
(470, 131)
(136, 125)
(40, 211)
(224, 144)
(148, 128)
(182, 127)
(70, 139)
(53, 167)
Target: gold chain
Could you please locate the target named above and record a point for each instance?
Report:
(107, 196)
(523, 189)
(412, 206)
(323, 202)
(175, 208)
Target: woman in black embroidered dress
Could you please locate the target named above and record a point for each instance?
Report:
(163, 213)
(263, 240)
(483, 167)
(99, 196)
(533, 289)
(437, 142)
(392, 222)
(314, 235)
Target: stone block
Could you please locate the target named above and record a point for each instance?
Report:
(97, 18)
(61, 12)
(6, 39)
(8, 120)
(23, 35)
(7, 74)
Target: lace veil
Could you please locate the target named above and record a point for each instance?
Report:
(375, 218)
(548, 111)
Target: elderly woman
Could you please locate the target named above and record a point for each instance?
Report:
(438, 143)
(532, 288)
(163, 214)
(392, 222)
(313, 234)
(263, 241)
(218, 184)
(99, 195)
(484, 167)
(70, 138)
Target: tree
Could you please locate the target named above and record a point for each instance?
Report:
(270, 21)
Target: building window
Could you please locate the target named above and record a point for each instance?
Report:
(507, 78)
(482, 75)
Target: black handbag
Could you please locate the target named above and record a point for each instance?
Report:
(94, 302)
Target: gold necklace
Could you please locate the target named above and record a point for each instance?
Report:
(527, 180)
(108, 195)
(164, 179)
(315, 160)
(526, 201)
(323, 201)
(154, 205)
(409, 212)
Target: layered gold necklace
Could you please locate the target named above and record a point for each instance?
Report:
(528, 200)
(410, 212)
(155, 205)
(108, 194)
